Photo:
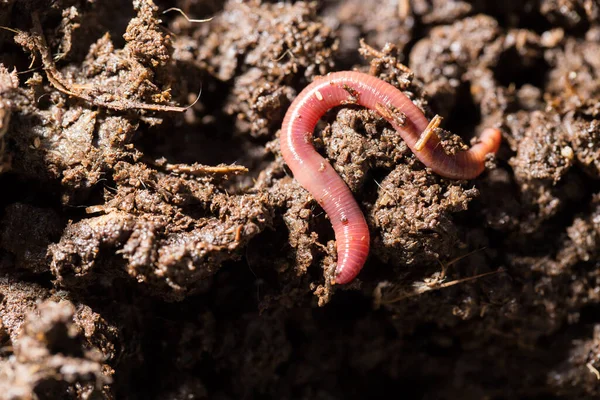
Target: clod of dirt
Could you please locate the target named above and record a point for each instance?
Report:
(78, 145)
(355, 20)
(357, 141)
(59, 349)
(543, 151)
(443, 58)
(267, 51)
(166, 231)
(575, 74)
(542, 160)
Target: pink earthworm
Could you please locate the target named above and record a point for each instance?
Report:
(317, 176)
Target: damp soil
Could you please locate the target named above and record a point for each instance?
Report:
(153, 244)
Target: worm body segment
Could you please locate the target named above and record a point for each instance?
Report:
(317, 176)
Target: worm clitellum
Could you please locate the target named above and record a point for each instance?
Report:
(317, 176)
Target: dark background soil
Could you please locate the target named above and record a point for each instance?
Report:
(154, 245)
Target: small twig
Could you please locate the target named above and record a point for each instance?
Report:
(200, 170)
(457, 259)
(288, 51)
(371, 50)
(593, 370)
(238, 233)
(10, 29)
(467, 279)
(96, 209)
(60, 83)
(197, 98)
(386, 191)
(28, 70)
(427, 288)
(428, 132)
(190, 20)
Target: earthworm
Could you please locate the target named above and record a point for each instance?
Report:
(317, 176)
